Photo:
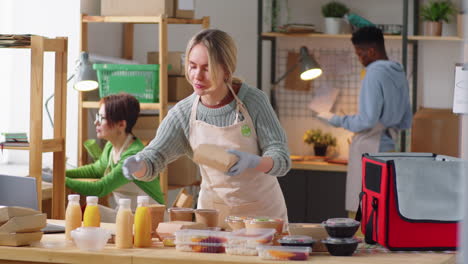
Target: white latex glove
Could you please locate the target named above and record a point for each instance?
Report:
(325, 116)
(131, 165)
(246, 161)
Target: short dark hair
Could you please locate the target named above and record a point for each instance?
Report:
(122, 106)
(369, 36)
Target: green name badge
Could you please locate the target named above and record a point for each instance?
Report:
(245, 130)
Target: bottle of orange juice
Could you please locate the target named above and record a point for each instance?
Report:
(91, 216)
(124, 225)
(142, 234)
(72, 215)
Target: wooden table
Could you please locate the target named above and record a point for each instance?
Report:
(54, 249)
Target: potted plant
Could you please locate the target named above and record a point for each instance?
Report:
(334, 12)
(320, 140)
(434, 13)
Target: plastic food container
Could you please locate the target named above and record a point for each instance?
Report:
(265, 222)
(207, 216)
(244, 241)
(341, 246)
(180, 214)
(341, 227)
(90, 238)
(297, 241)
(200, 240)
(283, 253)
(236, 222)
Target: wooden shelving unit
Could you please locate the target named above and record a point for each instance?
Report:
(38, 145)
(348, 36)
(128, 23)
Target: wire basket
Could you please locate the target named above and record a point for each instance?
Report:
(139, 80)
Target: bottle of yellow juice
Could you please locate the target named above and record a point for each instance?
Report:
(142, 233)
(91, 216)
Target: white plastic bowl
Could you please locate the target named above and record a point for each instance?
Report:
(90, 238)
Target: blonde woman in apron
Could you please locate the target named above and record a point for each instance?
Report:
(384, 108)
(114, 122)
(228, 113)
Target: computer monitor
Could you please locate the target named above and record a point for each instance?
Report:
(21, 191)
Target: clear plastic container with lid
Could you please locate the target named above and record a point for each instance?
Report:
(341, 246)
(341, 227)
(200, 240)
(297, 241)
(236, 222)
(265, 222)
(283, 253)
(245, 241)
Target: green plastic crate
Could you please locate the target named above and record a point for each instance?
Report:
(139, 80)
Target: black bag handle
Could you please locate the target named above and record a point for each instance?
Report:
(370, 224)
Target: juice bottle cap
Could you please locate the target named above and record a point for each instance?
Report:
(142, 199)
(73, 197)
(125, 202)
(92, 199)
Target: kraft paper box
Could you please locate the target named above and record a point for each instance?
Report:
(178, 88)
(24, 224)
(184, 8)
(7, 212)
(171, 227)
(145, 128)
(315, 230)
(137, 7)
(19, 239)
(174, 58)
(214, 156)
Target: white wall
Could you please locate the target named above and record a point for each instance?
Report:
(51, 18)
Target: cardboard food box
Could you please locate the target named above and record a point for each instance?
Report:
(23, 224)
(137, 7)
(184, 8)
(174, 58)
(314, 230)
(178, 88)
(171, 227)
(19, 239)
(145, 128)
(436, 131)
(214, 156)
(7, 212)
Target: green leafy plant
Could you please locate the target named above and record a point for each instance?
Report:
(334, 9)
(319, 138)
(437, 11)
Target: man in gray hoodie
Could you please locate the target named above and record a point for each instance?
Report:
(384, 107)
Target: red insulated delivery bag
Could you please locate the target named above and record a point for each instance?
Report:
(411, 201)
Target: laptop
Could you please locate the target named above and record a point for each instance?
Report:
(21, 191)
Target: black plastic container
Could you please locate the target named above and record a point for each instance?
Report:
(341, 246)
(297, 241)
(341, 227)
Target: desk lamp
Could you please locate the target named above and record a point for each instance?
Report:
(85, 79)
(310, 70)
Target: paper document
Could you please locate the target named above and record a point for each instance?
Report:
(460, 93)
(324, 99)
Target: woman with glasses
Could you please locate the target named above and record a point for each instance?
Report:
(114, 122)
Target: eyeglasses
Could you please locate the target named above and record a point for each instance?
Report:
(99, 118)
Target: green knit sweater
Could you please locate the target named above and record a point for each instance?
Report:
(172, 138)
(112, 180)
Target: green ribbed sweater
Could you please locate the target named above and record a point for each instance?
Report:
(172, 137)
(114, 179)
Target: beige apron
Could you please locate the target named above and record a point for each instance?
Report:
(251, 193)
(363, 142)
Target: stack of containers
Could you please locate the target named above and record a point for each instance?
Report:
(205, 241)
(245, 241)
(20, 226)
(341, 231)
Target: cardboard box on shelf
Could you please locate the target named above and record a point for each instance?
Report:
(174, 58)
(436, 131)
(145, 127)
(90, 7)
(178, 88)
(184, 8)
(137, 7)
(183, 171)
